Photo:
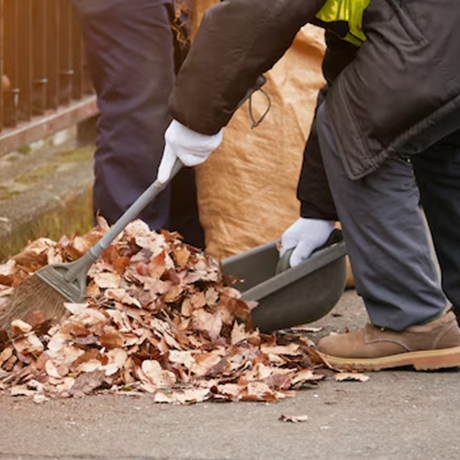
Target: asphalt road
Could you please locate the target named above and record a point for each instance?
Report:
(394, 415)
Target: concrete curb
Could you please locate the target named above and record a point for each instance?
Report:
(44, 192)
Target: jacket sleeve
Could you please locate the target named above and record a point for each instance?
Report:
(313, 189)
(238, 40)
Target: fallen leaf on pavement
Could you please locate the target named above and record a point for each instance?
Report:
(343, 376)
(304, 328)
(293, 418)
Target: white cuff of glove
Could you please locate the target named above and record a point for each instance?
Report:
(190, 147)
(305, 235)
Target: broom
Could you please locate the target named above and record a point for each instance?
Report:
(47, 289)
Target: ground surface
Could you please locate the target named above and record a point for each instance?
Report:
(394, 415)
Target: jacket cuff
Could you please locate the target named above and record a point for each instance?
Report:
(310, 211)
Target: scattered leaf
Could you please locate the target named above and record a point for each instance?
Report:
(293, 418)
(304, 328)
(343, 376)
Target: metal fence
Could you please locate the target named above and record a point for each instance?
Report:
(45, 86)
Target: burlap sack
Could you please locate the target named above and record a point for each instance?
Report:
(247, 188)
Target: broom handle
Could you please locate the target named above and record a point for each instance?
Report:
(83, 264)
(133, 211)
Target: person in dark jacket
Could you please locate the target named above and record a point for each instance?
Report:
(132, 54)
(391, 118)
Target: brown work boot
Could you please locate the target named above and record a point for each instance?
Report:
(432, 346)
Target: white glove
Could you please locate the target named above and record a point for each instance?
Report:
(190, 147)
(305, 235)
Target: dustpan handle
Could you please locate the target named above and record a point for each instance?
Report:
(133, 211)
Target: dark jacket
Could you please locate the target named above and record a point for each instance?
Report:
(400, 95)
(238, 40)
(402, 92)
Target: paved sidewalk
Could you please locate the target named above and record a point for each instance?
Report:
(395, 415)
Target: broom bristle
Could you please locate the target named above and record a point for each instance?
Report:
(30, 296)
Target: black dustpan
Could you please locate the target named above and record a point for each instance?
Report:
(290, 296)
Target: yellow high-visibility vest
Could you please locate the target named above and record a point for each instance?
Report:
(344, 17)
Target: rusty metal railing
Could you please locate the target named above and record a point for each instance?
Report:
(45, 86)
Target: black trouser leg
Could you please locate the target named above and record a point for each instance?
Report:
(131, 59)
(437, 173)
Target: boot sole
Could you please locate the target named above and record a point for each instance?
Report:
(429, 360)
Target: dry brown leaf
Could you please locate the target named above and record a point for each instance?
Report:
(161, 397)
(120, 319)
(117, 359)
(186, 307)
(28, 344)
(89, 317)
(92, 290)
(239, 333)
(191, 396)
(5, 355)
(293, 418)
(205, 361)
(34, 254)
(58, 341)
(20, 327)
(5, 291)
(76, 308)
(198, 300)
(89, 366)
(184, 358)
(120, 295)
(61, 386)
(156, 375)
(304, 328)
(207, 322)
(107, 280)
(111, 340)
(173, 293)
(22, 390)
(7, 270)
(230, 390)
(181, 256)
(343, 376)
(211, 296)
(258, 391)
(291, 350)
(156, 267)
(86, 383)
(79, 246)
(306, 375)
(52, 370)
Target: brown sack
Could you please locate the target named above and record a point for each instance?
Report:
(199, 7)
(247, 188)
(242, 207)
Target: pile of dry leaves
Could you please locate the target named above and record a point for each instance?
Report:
(159, 318)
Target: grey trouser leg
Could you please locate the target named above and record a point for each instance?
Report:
(386, 238)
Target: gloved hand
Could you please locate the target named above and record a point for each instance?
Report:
(190, 147)
(305, 235)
